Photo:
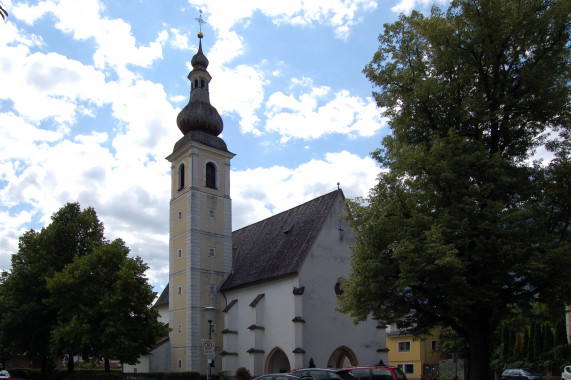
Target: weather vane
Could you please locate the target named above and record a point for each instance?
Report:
(200, 22)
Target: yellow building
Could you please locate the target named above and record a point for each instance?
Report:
(413, 353)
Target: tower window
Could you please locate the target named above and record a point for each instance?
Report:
(195, 83)
(202, 83)
(180, 253)
(181, 177)
(179, 215)
(180, 290)
(211, 252)
(211, 175)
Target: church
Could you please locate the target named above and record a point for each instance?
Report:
(262, 297)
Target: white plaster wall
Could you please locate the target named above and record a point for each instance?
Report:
(141, 367)
(326, 329)
(163, 314)
(276, 318)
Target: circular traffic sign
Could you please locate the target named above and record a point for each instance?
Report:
(208, 345)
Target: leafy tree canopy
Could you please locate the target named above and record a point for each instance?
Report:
(104, 304)
(27, 320)
(73, 292)
(462, 228)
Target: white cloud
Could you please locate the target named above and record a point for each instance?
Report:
(406, 6)
(45, 163)
(240, 91)
(116, 45)
(262, 192)
(314, 114)
(43, 86)
(179, 40)
(339, 14)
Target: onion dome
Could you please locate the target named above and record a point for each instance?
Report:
(199, 114)
(199, 61)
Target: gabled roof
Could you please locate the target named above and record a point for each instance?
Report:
(163, 299)
(276, 247)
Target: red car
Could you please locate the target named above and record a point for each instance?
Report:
(377, 373)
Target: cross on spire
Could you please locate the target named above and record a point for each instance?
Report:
(200, 22)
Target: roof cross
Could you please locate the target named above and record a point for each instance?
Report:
(200, 21)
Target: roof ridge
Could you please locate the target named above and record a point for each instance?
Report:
(277, 246)
(289, 210)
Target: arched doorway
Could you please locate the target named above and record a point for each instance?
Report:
(277, 362)
(342, 357)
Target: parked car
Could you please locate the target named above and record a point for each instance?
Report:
(325, 373)
(377, 373)
(14, 375)
(281, 376)
(520, 373)
(566, 374)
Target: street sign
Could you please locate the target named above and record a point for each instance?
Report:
(208, 346)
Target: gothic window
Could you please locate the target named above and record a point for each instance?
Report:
(181, 177)
(211, 175)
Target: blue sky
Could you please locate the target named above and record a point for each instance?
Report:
(90, 91)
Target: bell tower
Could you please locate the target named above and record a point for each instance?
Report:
(200, 241)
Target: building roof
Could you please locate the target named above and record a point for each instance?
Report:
(277, 246)
(163, 299)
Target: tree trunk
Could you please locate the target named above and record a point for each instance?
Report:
(107, 366)
(70, 363)
(479, 334)
(44, 364)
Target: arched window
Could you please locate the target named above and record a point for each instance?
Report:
(195, 83)
(211, 175)
(201, 83)
(181, 177)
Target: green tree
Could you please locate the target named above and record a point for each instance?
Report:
(548, 339)
(560, 332)
(104, 304)
(462, 229)
(525, 353)
(4, 344)
(27, 320)
(506, 341)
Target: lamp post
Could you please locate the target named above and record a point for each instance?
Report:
(209, 312)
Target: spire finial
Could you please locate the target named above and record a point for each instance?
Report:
(200, 22)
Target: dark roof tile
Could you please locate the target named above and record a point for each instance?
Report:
(276, 247)
(163, 299)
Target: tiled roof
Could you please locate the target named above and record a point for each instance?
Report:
(163, 298)
(276, 247)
